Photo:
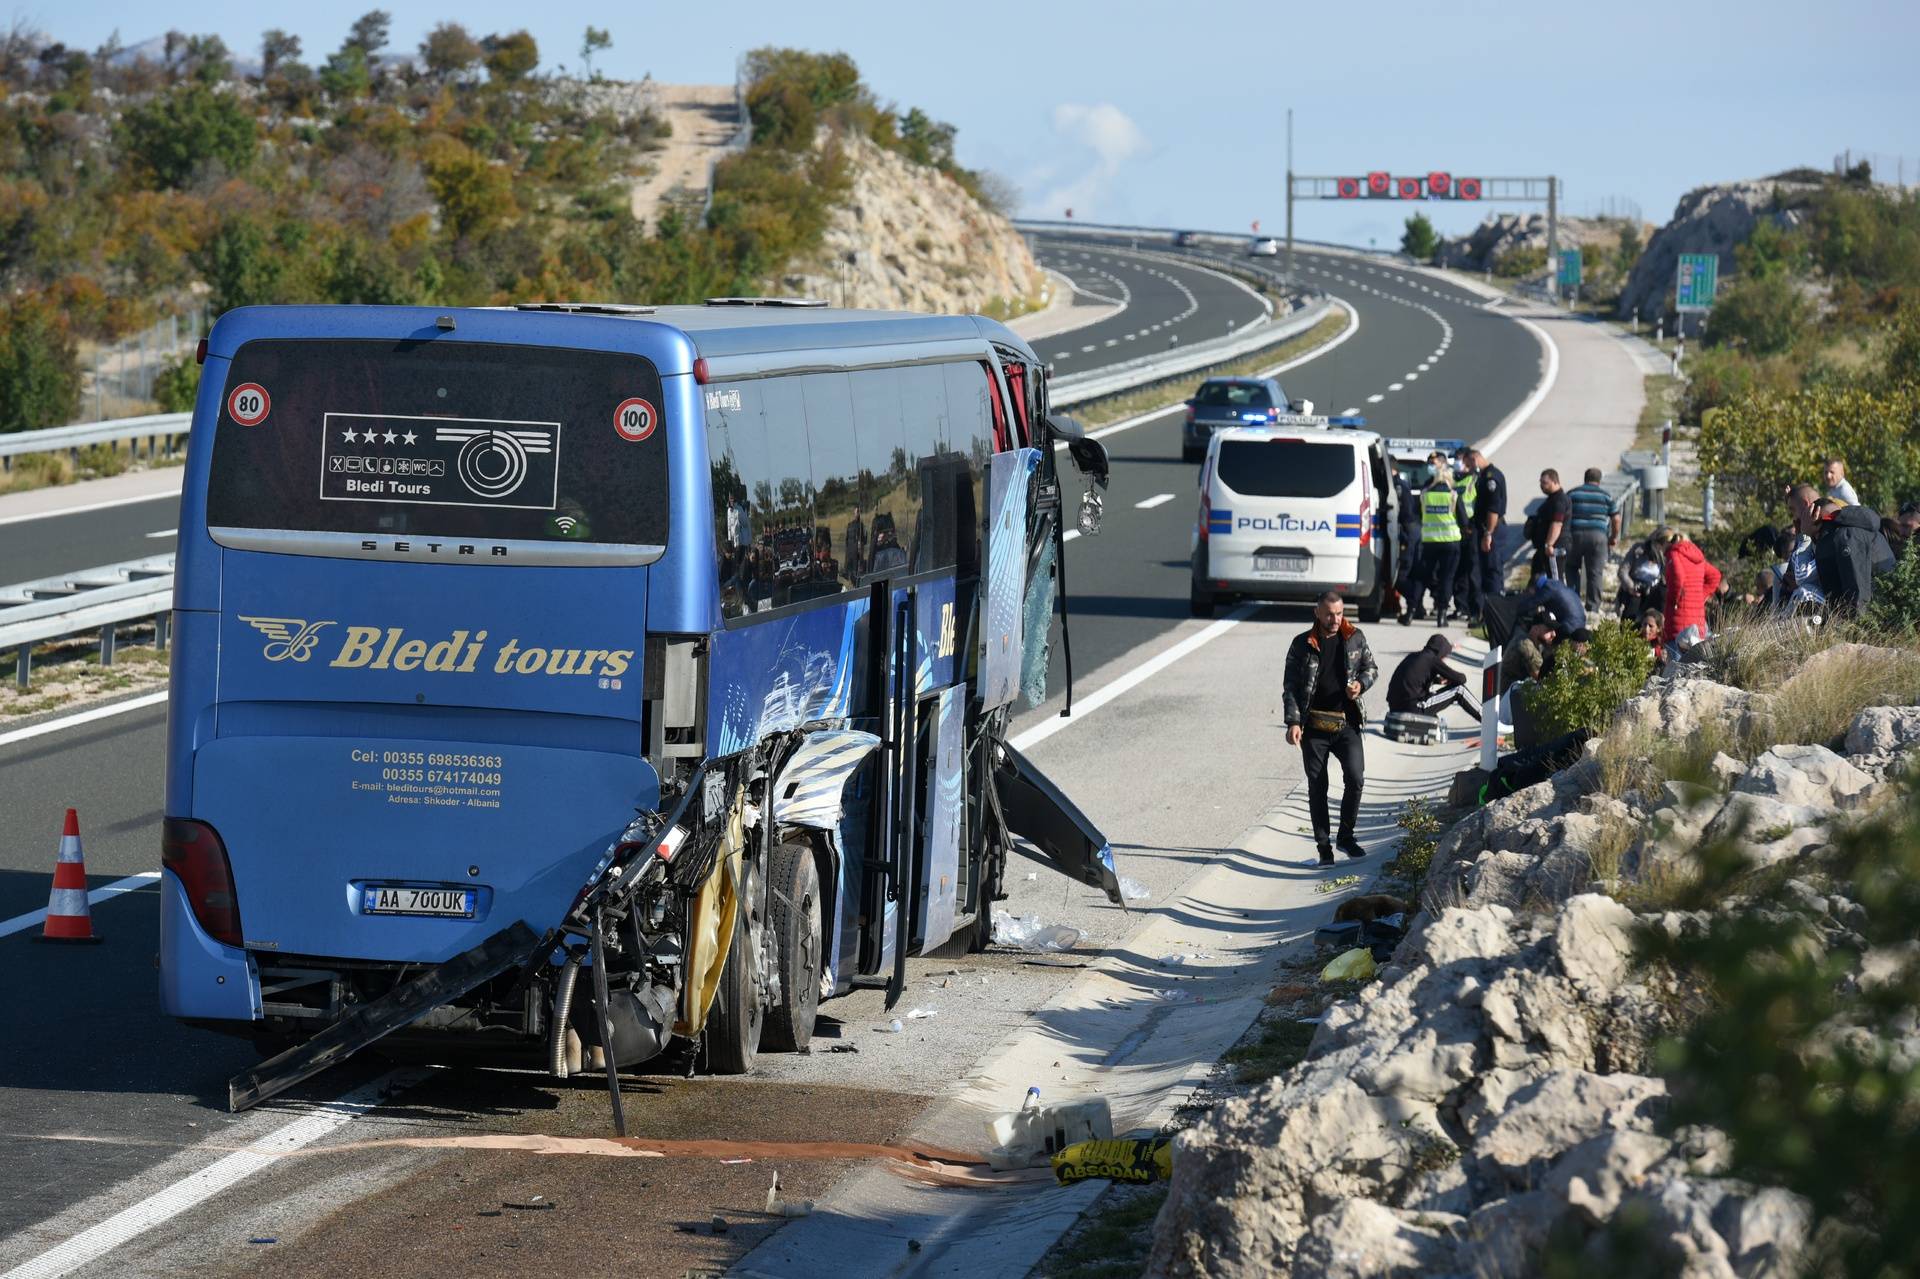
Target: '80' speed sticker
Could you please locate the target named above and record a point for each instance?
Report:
(635, 419)
(248, 404)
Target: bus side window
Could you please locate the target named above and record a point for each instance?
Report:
(974, 406)
(838, 530)
(885, 470)
(1002, 435)
(926, 426)
(1018, 377)
(787, 540)
(737, 457)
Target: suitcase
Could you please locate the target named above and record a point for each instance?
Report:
(1415, 728)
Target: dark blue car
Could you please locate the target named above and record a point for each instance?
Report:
(1228, 401)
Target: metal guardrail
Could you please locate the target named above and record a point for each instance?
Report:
(51, 608)
(1131, 375)
(55, 438)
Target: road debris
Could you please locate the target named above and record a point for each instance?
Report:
(1353, 965)
(718, 1225)
(1031, 932)
(1335, 884)
(784, 1207)
(1139, 1161)
(1133, 890)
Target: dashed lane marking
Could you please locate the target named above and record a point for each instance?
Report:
(1158, 499)
(1375, 399)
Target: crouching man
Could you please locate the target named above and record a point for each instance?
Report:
(1328, 668)
(1424, 684)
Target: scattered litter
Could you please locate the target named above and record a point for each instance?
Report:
(263, 1239)
(1353, 965)
(1133, 890)
(1032, 875)
(740, 1161)
(842, 1048)
(893, 1027)
(1031, 1134)
(1314, 1020)
(1287, 993)
(1176, 960)
(533, 1205)
(983, 979)
(718, 1224)
(920, 1014)
(786, 1208)
(1335, 884)
(1139, 1161)
(1030, 932)
(489, 1212)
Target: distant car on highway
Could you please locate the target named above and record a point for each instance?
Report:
(1264, 247)
(1185, 239)
(1286, 514)
(1228, 401)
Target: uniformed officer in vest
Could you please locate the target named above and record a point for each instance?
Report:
(1466, 582)
(1440, 525)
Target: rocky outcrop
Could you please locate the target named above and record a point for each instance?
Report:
(1504, 233)
(1492, 1090)
(1709, 219)
(910, 238)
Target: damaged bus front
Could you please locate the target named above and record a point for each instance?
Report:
(572, 684)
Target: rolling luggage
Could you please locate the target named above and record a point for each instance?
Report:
(1416, 728)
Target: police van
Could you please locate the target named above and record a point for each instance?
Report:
(1292, 510)
(1409, 456)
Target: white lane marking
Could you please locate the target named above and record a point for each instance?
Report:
(1519, 416)
(92, 506)
(1158, 499)
(1424, 366)
(1132, 679)
(1395, 386)
(1063, 355)
(1070, 534)
(1350, 412)
(189, 1192)
(1113, 341)
(83, 717)
(1375, 399)
(1088, 347)
(163, 532)
(34, 918)
(1413, 377)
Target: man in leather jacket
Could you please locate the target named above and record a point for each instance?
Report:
(1328, 668)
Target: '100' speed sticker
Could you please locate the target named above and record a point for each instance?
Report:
(635, 419)
(249, 403)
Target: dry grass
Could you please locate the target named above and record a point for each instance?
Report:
(36, 471)
(1821, 699)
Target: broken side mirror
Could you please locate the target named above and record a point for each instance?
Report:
(1090, 456)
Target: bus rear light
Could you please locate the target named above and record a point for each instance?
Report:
(193, 851)
(200, 352)
(700, 370)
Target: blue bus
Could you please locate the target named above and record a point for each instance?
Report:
(572, 684)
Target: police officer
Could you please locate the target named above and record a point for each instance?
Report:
(1328, 668)
(1489, 513)
(1406, 568)
(1466, 577)
(1440, 526)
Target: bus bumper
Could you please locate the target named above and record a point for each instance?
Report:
(200, 977)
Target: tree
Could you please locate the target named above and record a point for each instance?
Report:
(473, 195)
(347, 75)
(1419, 241)
(511, 58)
(1764, 314)
(369, 32)
(39, 373)
(926, 140)
(277, 48)
(242, 264)
(448, 50)
(1627, 253)
(596, 40)
(174, 133)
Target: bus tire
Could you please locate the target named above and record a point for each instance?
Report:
(793, 920)
(734, 1023)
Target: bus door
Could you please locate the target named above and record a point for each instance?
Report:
(418, 580)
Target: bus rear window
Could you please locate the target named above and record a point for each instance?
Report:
(556, 454)
(1286, 468)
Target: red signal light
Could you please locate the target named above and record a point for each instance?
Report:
(1348, 188)
(1439, 185)
(1379, 184)
(1468, 188)
(1407, 188)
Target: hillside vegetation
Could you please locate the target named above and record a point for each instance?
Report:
(132, 188)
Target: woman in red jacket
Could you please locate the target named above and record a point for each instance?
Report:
(1690, 582)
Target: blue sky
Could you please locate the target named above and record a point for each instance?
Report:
(1174, 113)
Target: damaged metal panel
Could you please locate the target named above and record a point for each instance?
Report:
(1039, 813)
(811, 784)
(940, 888)
(406, 1003)
(1003, 646)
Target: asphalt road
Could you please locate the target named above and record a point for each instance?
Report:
(87, 1053)
(1162, 304)
(59, 543)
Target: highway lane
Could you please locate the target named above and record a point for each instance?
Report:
(62, 541)
(1165, 304)
(77, 1070)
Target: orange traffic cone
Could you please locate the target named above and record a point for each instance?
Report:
(69, 918)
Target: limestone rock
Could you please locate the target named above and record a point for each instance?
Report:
(1536, 1022)
(1594, 941)
(1464, 934)
(1360, 1239)
(1881, 730)
(1675, 709)
(1596, 1174)
(1765, 1232)
(1499, 879)
(1809, 776)
(1559, 1111)
(1506, 1237)
(1709, 219)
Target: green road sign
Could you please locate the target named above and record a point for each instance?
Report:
(1569, 268)
(1694, 287)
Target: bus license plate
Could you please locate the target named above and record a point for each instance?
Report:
(1285, 565)
(448, 903)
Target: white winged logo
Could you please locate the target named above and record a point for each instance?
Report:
(287, 637)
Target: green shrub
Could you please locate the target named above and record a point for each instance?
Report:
(1413, 851)
(173, 134)
(1896, 595)
(1763, 441)
(1763, 314)
(39, 373)
(176, 385)
(1517, 263)
(1585, 693)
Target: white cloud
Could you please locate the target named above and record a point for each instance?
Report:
(1107, 139)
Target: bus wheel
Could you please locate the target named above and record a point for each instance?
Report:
(793, 918)
(733, 1024)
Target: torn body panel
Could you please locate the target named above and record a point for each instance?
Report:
(1039, 813)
